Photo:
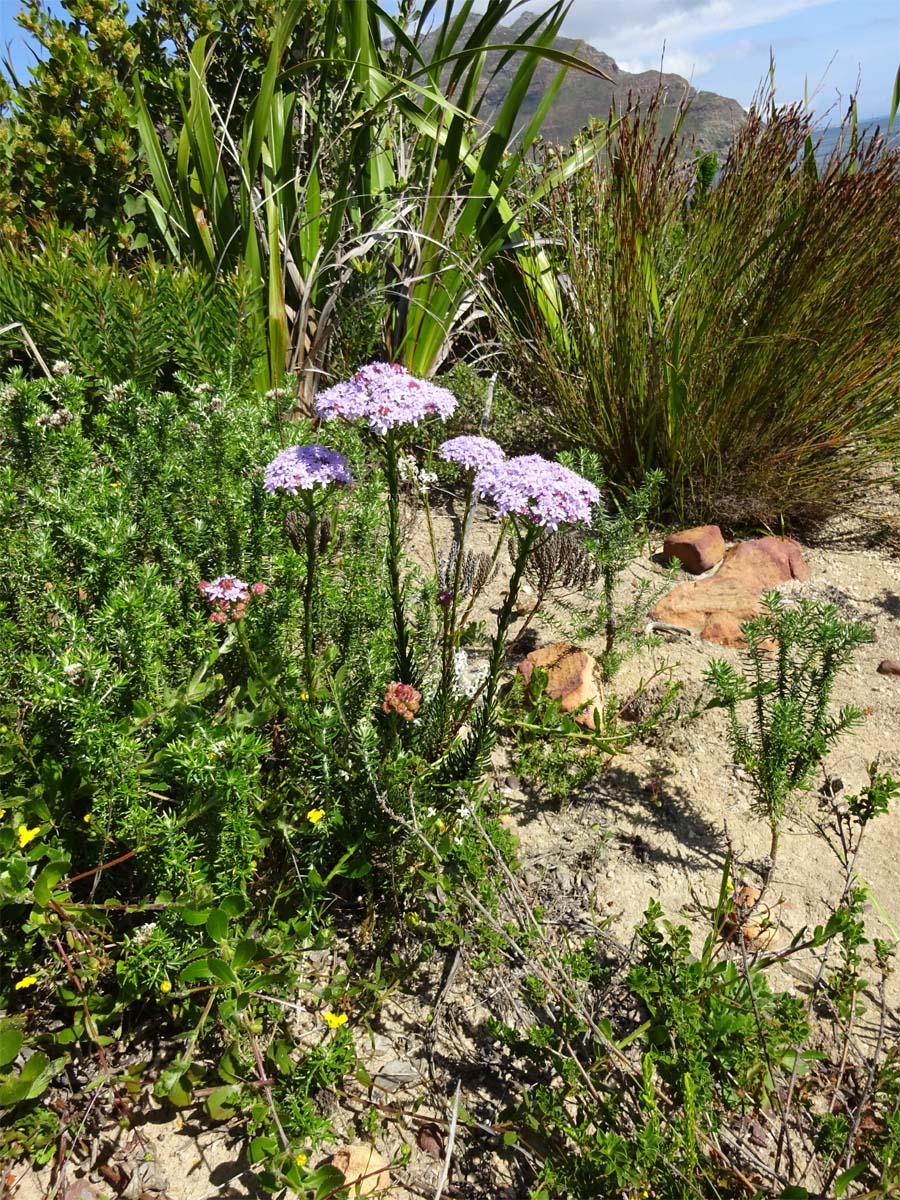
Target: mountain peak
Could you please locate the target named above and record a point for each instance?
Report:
(711, 122)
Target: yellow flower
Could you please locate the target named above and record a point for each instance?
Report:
(27, 835)
(165, 987)
(334, 1020)
(315, 815)
(301, 1160)
(86, 818)
(27, 982)
(2, 813)
(304, 695)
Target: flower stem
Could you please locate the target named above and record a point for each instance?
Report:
(312, 530)
(497, 655)
(403, 650)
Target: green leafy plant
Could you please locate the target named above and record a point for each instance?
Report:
(795, 652)
(618, 535)
(111, 323)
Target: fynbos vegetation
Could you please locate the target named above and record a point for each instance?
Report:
(337, 427)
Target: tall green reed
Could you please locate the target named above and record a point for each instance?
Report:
(739, 338)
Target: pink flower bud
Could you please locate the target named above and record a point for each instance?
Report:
(218, 617)
(258, 589)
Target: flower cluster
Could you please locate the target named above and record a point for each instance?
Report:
(415, 476)
(544, 492)
(385, 395)
(468, 680)
(402, 699)
(476, 453)
(229, 597)
(303, 468)
(334, 1020)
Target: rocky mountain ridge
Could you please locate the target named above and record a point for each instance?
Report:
(711, 122)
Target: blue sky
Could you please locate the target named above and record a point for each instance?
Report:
(723, 45)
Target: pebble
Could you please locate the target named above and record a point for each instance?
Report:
(397, 1074)
(889, 666)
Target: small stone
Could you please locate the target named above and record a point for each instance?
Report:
(396, 1074)
(570, 678)
(889, 666)
(514, 783)
(697, 549)
(364, 1167)
(759, 1135)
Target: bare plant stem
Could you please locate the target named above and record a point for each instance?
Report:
(309, 595)
(403, 650)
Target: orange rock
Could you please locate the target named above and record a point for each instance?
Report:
(570, 677)
(697, 549)
(716, 607)
(363, 1168)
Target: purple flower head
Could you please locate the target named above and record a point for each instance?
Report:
(385, 395)
(476, 453)
(226, 588)
(545, 492)
(302, 468)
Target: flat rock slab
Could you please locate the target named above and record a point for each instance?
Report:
(697, 549)
(716, 607)
(570, 677)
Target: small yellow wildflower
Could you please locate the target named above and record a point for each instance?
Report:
(334, 1020)
(27, 835)
(301, 1159)
(315, 815)
(2, 813)
(86, 818)
(27, 982)
(304, 695)
(165, 987)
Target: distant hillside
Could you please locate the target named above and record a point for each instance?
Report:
(712, 120)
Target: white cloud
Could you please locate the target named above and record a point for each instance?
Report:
(604, 22)
(635, 33)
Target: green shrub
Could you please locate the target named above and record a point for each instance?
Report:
(189, 784)
(795, 653)
(69, 147)
(111, 323)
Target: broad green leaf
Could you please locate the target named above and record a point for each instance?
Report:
(11, 1039)
(223, 972)
(48, 879)
(217, 925)
(245, 952)
(224, 1102)
(844, 1180)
